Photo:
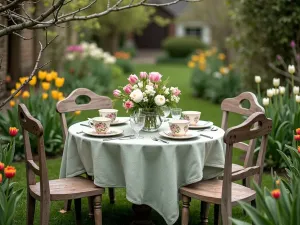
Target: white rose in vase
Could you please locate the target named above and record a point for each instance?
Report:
(137, 95)
(160, 100)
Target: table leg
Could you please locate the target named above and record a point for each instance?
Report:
(142, 215)
(204, 213)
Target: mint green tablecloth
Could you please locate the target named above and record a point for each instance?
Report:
(150, 171)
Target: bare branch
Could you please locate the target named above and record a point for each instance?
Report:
(282, 72)
(9, 6)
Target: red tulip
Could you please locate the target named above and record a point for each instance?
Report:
(297, 137)
(298, 131)
(13, 131)
(275, 193)
(299, 149)
(10, 171)
(0, 178)
(2, 166)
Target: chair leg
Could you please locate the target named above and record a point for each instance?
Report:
(98, 210)
(226, 211)
(217, 215)
(44, 212)
(253, 203)
(204, 213)
(111, 192)
(30, 209)
(78, 211)
(185, 210)
(67, 205)
(91, 206)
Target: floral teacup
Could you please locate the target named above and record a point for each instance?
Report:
(100, 124)
(109, 113)
(179, 127)
(192, 116)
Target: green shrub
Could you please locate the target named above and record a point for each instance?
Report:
(211, 78)
(126, 65)
(180, 47)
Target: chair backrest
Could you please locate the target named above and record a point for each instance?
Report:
(255, 126)
(233, 105)
(31, 125)
(69, 105)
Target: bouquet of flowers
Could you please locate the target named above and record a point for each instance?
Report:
(147, 93)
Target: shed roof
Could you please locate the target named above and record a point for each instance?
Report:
(174, 9)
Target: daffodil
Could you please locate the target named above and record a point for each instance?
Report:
(54, 74)
(45, 86)
(45, 95)
(59, 82)
(60, 94)
(195, 58)
(33, 81)
(25, 94)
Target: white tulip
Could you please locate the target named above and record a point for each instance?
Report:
(297, 97)
(266, 101)
(70, 56)
(136, 95)
(275, 91)
(160, 100)
(282, 90)
(296, 90)
(270, 93)
(276, 82)
(291, 69)
(257, 79)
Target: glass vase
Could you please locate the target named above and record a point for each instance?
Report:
(152, 121)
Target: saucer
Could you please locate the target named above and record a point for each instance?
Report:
(202, 124)
(111, 132)
(190, 134)
(119, 121)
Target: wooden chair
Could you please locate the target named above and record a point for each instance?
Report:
(225, 192)
(47, 190)
(69, 105)
(228, 106)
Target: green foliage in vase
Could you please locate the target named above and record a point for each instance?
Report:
(282, 204)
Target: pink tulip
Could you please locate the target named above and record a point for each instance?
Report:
(143, 75)
(293, 44)
(176, 92)
(117, 93)
(127, 88)
(128, 104)
(279, 57)
(155, 77)
(133, 79)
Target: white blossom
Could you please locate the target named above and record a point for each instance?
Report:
(291, 69)
(160, 100)
(297, 98)
(276, 82)
(266, 101)
(282, 90)
(136, 95)
(296, 90)
(257, 79)
(270, 93)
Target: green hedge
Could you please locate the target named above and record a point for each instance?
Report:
(180, 47)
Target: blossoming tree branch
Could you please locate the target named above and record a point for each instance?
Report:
(57, 13)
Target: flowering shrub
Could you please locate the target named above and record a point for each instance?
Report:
(281, 103)
(91, 67)
(281, 205)
(9, 198)
(212, 79)
(41, 98)
(124, 61)
(147, 92)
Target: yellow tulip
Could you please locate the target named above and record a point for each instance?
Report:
(13, 91)
(54, 94)
(224, 70)
(195, 58)
(18, 85)
(23, 79)
(49, 77)
(25, 94)
(54, 74)
(33, 81)
(61, 98)
(59, 82)
(45, 86)
(202, 66)
(221, 56)
(44, 95)
(42, 75)
(191, 64)
(60, 94)
(77, 113)
(12, 103)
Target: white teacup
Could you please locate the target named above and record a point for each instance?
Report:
(109, 113)
(100, 124)
(179, 127)
(192, 116)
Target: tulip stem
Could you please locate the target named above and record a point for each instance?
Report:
(293, 81)
(258, 92)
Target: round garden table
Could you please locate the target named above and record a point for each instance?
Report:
(151, 171)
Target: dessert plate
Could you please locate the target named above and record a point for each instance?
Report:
(119, 121)
(111, 132)
(190, 134)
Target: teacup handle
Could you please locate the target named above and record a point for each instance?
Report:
(91, 123)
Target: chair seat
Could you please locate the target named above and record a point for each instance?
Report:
(68, 188)
(211, 191)
(236, 168)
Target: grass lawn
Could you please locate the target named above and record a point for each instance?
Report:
(120, 213)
